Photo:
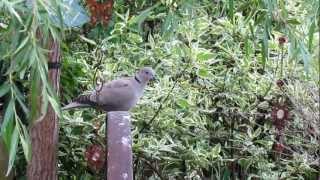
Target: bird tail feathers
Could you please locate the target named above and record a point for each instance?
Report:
(75, 105)
(80, 102)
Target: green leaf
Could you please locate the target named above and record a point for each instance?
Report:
(265, 143)
(204, 56)
(90, 41)
(7, 124)
(257, 132)
(183, 103)
(25, 140)
(215, 151)
(4, 88)
(203, 72)
(135, 38)
(10, 7)
(55, 105)
(247, 48)
(20, 98)
(231, 10)
(245, 163)
(169, 24)
(13, 149)
(226, 174)
(305, 56)
(44, 104)
(293, 21)
(138, 20)
(22, 45)
(249, 132)
(311, 35)
(264, 49)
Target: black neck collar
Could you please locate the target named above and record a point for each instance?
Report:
(135, 77)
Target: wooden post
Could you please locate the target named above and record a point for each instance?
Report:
(119, 146)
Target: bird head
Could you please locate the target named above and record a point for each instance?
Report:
(145, 74)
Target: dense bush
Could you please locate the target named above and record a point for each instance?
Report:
(237, 94)
(209, 114)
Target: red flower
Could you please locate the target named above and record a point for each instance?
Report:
(95, 156)
(279, 116)
(282, 40)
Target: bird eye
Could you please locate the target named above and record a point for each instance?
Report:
(147, 72)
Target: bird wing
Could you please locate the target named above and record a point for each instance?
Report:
(121, 94)
(117, 94)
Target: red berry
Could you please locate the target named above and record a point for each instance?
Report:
(279, 115)
(278, 147)
(282, 40)
(280, 83)
(94, 156)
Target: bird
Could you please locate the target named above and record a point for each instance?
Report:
(117, 95)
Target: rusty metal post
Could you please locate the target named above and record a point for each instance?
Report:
(119, 146)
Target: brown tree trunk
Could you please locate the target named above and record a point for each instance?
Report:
(44, 134)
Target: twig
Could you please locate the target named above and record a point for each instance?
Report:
(153, 168)
(163, 102)
(96, 68)
(281, 67)
(231, 144)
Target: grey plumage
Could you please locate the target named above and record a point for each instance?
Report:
(117, 95)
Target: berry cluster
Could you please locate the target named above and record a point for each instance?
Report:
(100, 11)
(278, 147)
(95, 157)
(279, 115)
(282, 40)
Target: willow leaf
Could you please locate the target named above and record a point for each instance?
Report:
(13, 148)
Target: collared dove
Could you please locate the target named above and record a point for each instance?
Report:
(117, 95)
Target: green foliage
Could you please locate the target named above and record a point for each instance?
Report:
(217, 63)
(209, 113)
(24, 69)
